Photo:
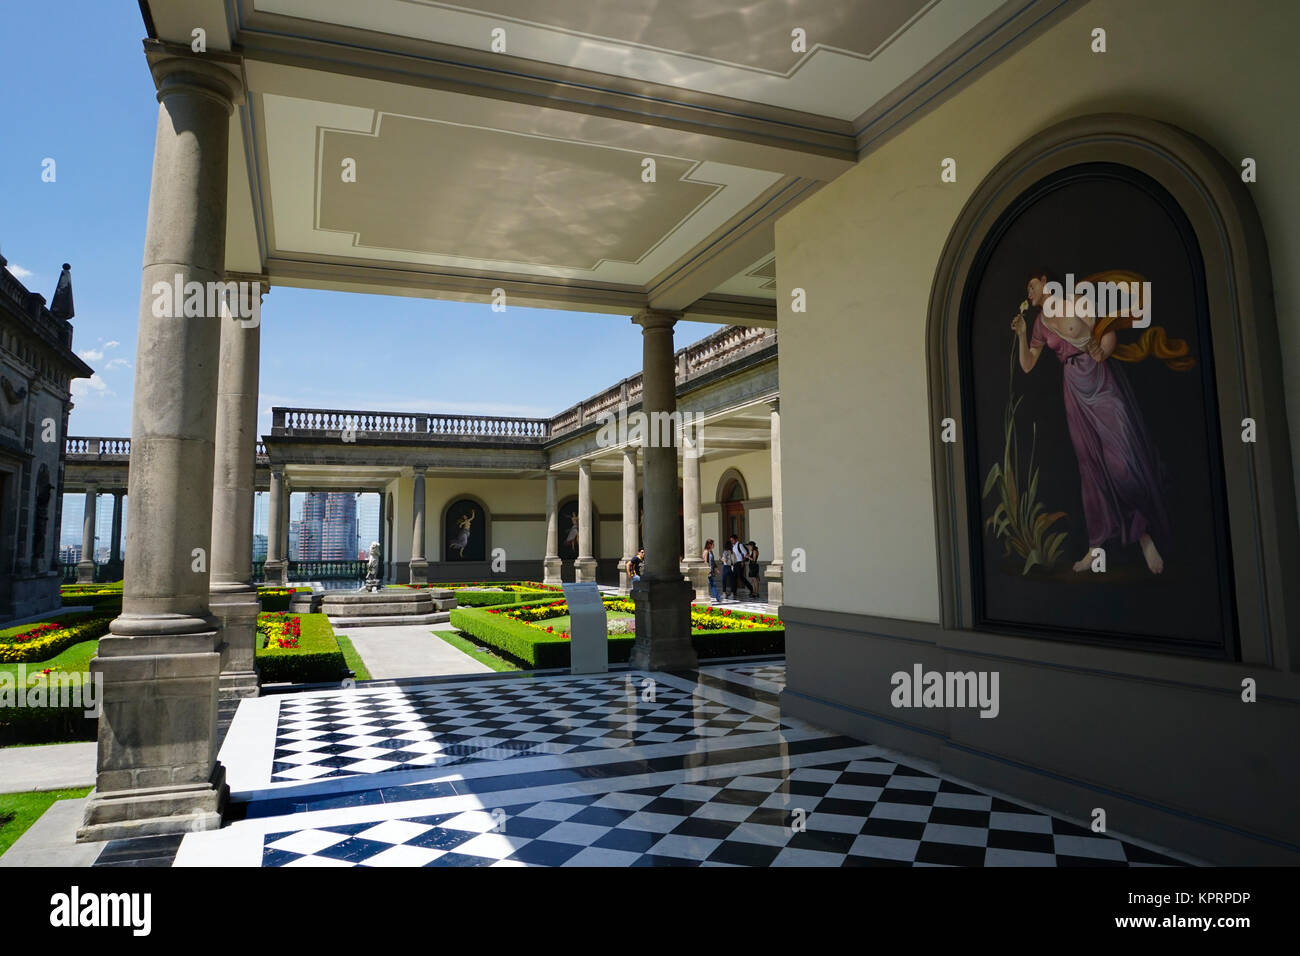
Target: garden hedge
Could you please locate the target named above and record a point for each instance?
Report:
(539, 649)
(44, 646)
(316, 659)
(277, 599)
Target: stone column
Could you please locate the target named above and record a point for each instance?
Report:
(419, 566)
(775, 572)
(584, 566)
(693, 565)
(629, 518)
(276, 564)
(160, 663)
(115, 543)
(662, 596)
(232, 594)
(383, 540)
(388, 519)
(86, 566)
(551, 563)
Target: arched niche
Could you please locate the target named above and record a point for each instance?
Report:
(476, 536)
(1237, 353)
(567, 526)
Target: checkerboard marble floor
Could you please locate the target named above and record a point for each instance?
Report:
(627, 769)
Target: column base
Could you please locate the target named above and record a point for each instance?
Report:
(419, 568)
(237, 607)
(125, 814)
(85, 572)
(663, 626)
(156, 770)
(774, 575)
(551, 571)
(697, 574)
(276, 573)
(584, 569)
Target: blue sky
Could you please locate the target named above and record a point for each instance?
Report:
(79, 92)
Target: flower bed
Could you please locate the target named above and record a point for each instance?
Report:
(298, 648)
(40, 641)
(522, 633)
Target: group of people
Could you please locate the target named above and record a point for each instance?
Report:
(739, 564)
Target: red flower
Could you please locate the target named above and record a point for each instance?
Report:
(550, 630)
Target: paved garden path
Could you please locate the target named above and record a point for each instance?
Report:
(410, 650)
(52, 767)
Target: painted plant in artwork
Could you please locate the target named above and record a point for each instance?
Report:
(1096, 460)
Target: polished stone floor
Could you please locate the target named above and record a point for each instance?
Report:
(624, 769)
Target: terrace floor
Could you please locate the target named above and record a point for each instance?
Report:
(623, 769)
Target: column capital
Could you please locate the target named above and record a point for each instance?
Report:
(654, 320)
(774, 403)
(217, 74)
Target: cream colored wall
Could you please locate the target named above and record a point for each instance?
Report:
(865, 248)
(503, 496)
(755, 468)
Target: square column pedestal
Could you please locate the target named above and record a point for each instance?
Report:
(157, 737)
(237, 611)
(663, 626)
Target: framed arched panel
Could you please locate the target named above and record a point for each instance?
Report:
(1104, 485)
(567, 514)
(466, 529)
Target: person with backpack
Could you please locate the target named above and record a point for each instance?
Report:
(729, 568)
(739, 557)
(712, 562)
(634, 566)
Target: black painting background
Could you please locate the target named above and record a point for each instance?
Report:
(567, 510)
(476, 550)
(1087, 220)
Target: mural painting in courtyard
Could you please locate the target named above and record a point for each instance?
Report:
(465, 528)
(1096, 467)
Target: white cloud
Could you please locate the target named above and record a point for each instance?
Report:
(112, 344)
(19, 272)
(118, 363)
(91, 355)
(87, 387)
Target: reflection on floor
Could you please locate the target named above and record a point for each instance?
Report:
(625, 769)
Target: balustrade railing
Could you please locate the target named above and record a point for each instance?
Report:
(327, 570)
(717, 351)
(81, 445)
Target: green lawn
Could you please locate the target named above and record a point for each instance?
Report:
(18, 811)
(352, 658)
(566, 622)
(74, 659)
(479, 652)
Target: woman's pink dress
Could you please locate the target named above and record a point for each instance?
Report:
(1119, 469)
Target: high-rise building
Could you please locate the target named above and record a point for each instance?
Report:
(295, 540)
(259, 547)
(328, 526)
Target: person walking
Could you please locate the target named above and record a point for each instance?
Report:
(729, 568)
(739, 555)
(712, 562)
(753, 569)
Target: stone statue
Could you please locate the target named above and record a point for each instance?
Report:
(372, 568)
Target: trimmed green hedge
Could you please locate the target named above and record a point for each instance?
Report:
(43, 725)
(277, 602)
(495, 598)
(316, 659)
(74, 630)
(539, 649)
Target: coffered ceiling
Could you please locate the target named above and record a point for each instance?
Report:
(453, 149)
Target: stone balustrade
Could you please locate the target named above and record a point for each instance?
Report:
(83, 447)
(713, 354)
